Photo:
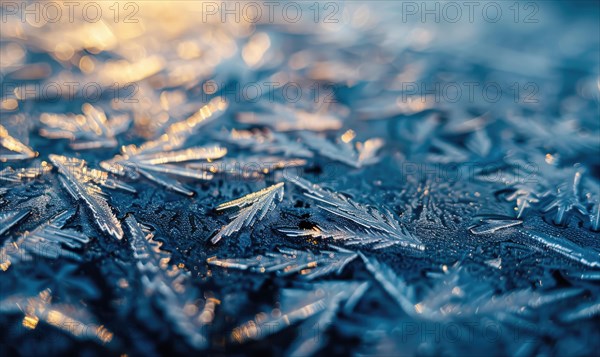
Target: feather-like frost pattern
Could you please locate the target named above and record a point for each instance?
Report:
(167, 285)
(252, 208)
(48, 240)
(82, 187)
(368, 217)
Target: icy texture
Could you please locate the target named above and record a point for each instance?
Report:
(151, 219)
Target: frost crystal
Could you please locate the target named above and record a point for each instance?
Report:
(18, 150)
(157, 166)
(455, 295)
(81, 187)
(343, 151)
(265, 141)
(492, 225)
(17, 175)
(167, 284)
(10, 218)
(460, 162)
(252, 208)
(566, 200)
(92, 130)
(75, 320)
(47, 240)
(283, 118)
(251, 167)
(581, 312)
(155, 158)
(291, 261)
(297, 305)
(394, 285)
(368, 217)
(566, 248)
(351, 237)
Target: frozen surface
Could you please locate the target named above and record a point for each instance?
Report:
(378, 214)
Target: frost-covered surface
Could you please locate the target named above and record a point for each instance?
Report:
(173, 215)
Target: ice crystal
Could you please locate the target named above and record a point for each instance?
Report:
(252, 207)
(158, 166)
(398, 116)
(595, 216)
(393, 284)
(284, 118)
(367, 217)
(352, 237)
(176, 134)
(491, 225)
(167, 283)
(17, 149)
(48, 240)
(11, 218)
(557, 136)
(581, 312)
(91, 130)
(72, 319)
(265, 141)
(291, 261)
(155, 158)
(81, 186)
(565, 248)
(99, 177)
(433, 202)
(251, 167)
(305, 345)
(297, 306)
(456, 295)
(359, 155)
(566, 200)
(17, 175)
